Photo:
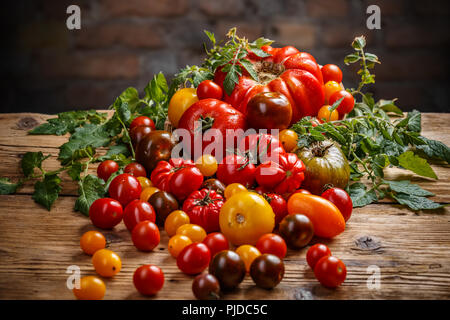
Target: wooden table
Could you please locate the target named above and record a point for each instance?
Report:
(411, 249)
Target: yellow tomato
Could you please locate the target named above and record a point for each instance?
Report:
(145, 182)
(330, 88)
(248, 253)
(177, 243)
(91, 288)
(288, 139)
(179, 103)
(147, 193)
(192, 231)
(324, 114)
(92, 241)
(106, 263)
(174, 220)
(207, 165)
(245, 217)
(234, 188)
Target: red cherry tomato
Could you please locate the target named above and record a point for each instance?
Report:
(346, 105)
(106, 169)
(341, 199)
(330, 271)
(105, 213)
(236, 169)
(278, 204)
(331, 72)
(315, 253)
(148, 279)
(142, 121)
(209, 89)
(185, 181)
(273, 244)
(125, 188)
(216, 242)
(194, 258)
(137, 211)
(135, 169)
(145, 236)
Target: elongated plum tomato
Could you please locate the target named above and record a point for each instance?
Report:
(148, 279)
(105, 213)
(125, 188)
(179, 103)
(269, 110)
(142, 121)
(331, 72)
(194, 258)
(91, 288)
(209, 89)
(341, 199)
(106, 169)
(92, 241)
(145, 236)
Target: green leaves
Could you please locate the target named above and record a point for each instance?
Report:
(90, 189)
(157, 96)
(232, 78)
(192, 74)
(416, 164)
(46, 191)
(405, 186)
(32, 160)
(435, 149)
(416, 202)
(360, 195)
(8, 187)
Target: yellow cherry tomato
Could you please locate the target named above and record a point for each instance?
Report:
(248, 253)
(324, 114)
(91, 288)
(174, 220)
(92, 241)
(288, 139)
(177, 243)
(179, 103)
(234, 188)
(330, 88)
(145, 182)
(106, 263)
(147, 193)
(245, 217)
(207, 165)
(192, 231)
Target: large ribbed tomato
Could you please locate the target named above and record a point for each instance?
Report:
(288, 71)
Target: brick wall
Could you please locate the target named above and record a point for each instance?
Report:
(47, 68)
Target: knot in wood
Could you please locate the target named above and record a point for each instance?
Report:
(27, 123)
(368, 243)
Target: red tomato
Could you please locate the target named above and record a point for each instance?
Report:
(164, 171)
(330, 271)
(194, 258)
(148, 279)
(135, 169)
(315, 253)
(331, 72)
(203, 208)
(278, 204)
(145, 236)
(216, 242)
(341, 199)
(185, 181)
(105, 213)
(236, 169)
(125, 188)
(346, 105)
(106, 169)
(273, 244)
(262, 147)
(137, 211)
(209, 89)
(142, 121)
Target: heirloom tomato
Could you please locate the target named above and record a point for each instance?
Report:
(139, 133)
(268, 110)
(215, 185)
(185, 181)
(179, 103)
(154, 147)
(236, 169)
(203, 208)
(164, 171)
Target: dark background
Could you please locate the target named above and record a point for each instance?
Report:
(47, 68)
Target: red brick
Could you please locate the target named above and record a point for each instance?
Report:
(341, 35)
(389, 7)
(301, 36)
(221, 8)
(416, 36)
(40, 35)
(327, 8)
(144, 8)
(249, 30)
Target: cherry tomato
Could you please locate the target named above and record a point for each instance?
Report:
(179, 103)
(147, 193)
(148, 279)
(341, 199)
(273, 244)
(137, 211)
(248, 253)
(192, 231)
(215, 185)
(315, 253)
(267, 271)
(91, 288)
(207, 165)
(194, 258)
(216, 242)
(228, 267)
(288, 139)
(164, 203)
(125, 188)
(92, 241)
(145, 236)
(177, 243)
(297, 230)
(106, 169)
(206, 287)
(175, 220)
(346, 105)
(145, 182)
(325, 114)
(137, 134)
(331, 72)
(135, 169)
(234, 188)
(105, 213)
(278, 204)
(185, 181)
(142, 121)
(331, 87)
(235, 168)
(330, 271)
(106, 263)
(209, 89)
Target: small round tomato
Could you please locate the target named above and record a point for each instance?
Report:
(105, 213)
(174, 221)
(216, 242)
(234, 188)
(135, 169)
(164, 203)
(145, 182)
(331, 72)
(214, 184)
(297, 230)
(194, 258)
(288, 139)
(147, 193)
(106, 169)
(137, 134)
(330, 271)
(315, 253)
(142, 121)
(185, 181)
(209, 89)
(278, 204)
(92, 241)
(91, 288)
(206, 287)
(177, 243)
(346, 104)
(192, 231)
(180, 102)
(268, 110)
(273, 244)
(125, 188)
(106, 263)
(148, 279)
(341, 199)
(137, 211)
(248, 253)
(207, 165)
(331, 87)
(267, 271)
(228, 267)
(145, 236)
(326, 115)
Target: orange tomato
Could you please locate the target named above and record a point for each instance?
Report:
(147, 193)
(91, 288)
(288, 139)
(92, 241)
(207, 165)
(174, 220)
(248, 253)
(177, 243)
(192, 231)
(330, 88)
(233, 188)
(325, 114)
(145, 182)
(106, 263)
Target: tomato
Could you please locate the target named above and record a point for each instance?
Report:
(185, 181)
(236, 169)
(261, 147)
(147, 193)
(125, 188)
(215, 185)
(164, 171)
(192, 231)
(288, 139)
(330, 271)
(248, 253)
(91, 288)
(145, 236)
(326, 115)
(315, 253)
(177, 243)
(142, 121)
(341, 199)
(194, 258)
(154, 147)
(297, 230)
(209, 89)
(164, 203)
(331, 72)
(105, 213)
(278, 204)
(267, 271)
(148, 279)
(137, 211)
(207, 165)
(137, 134)
(203, 209)
(135, 169)
(106, 263)
(331, 87)
(175, 220)
(326, 218)
(273, 244)
(245, 217)
(268, 110)
(92, 241)
(346, 105)
(234, 188)
(106, 169)
(216, 242)
(206, 287)
(179, 103)
(145, 182)
(228, 267)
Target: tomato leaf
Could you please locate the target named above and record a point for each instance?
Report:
(232, 78)
(8, 187)
(416, 202)
(405, 186)
(416, 164)
(360, 196)
(249, 67)
(46, 191)
(435, 149)
(32, 160)
(90, 188)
